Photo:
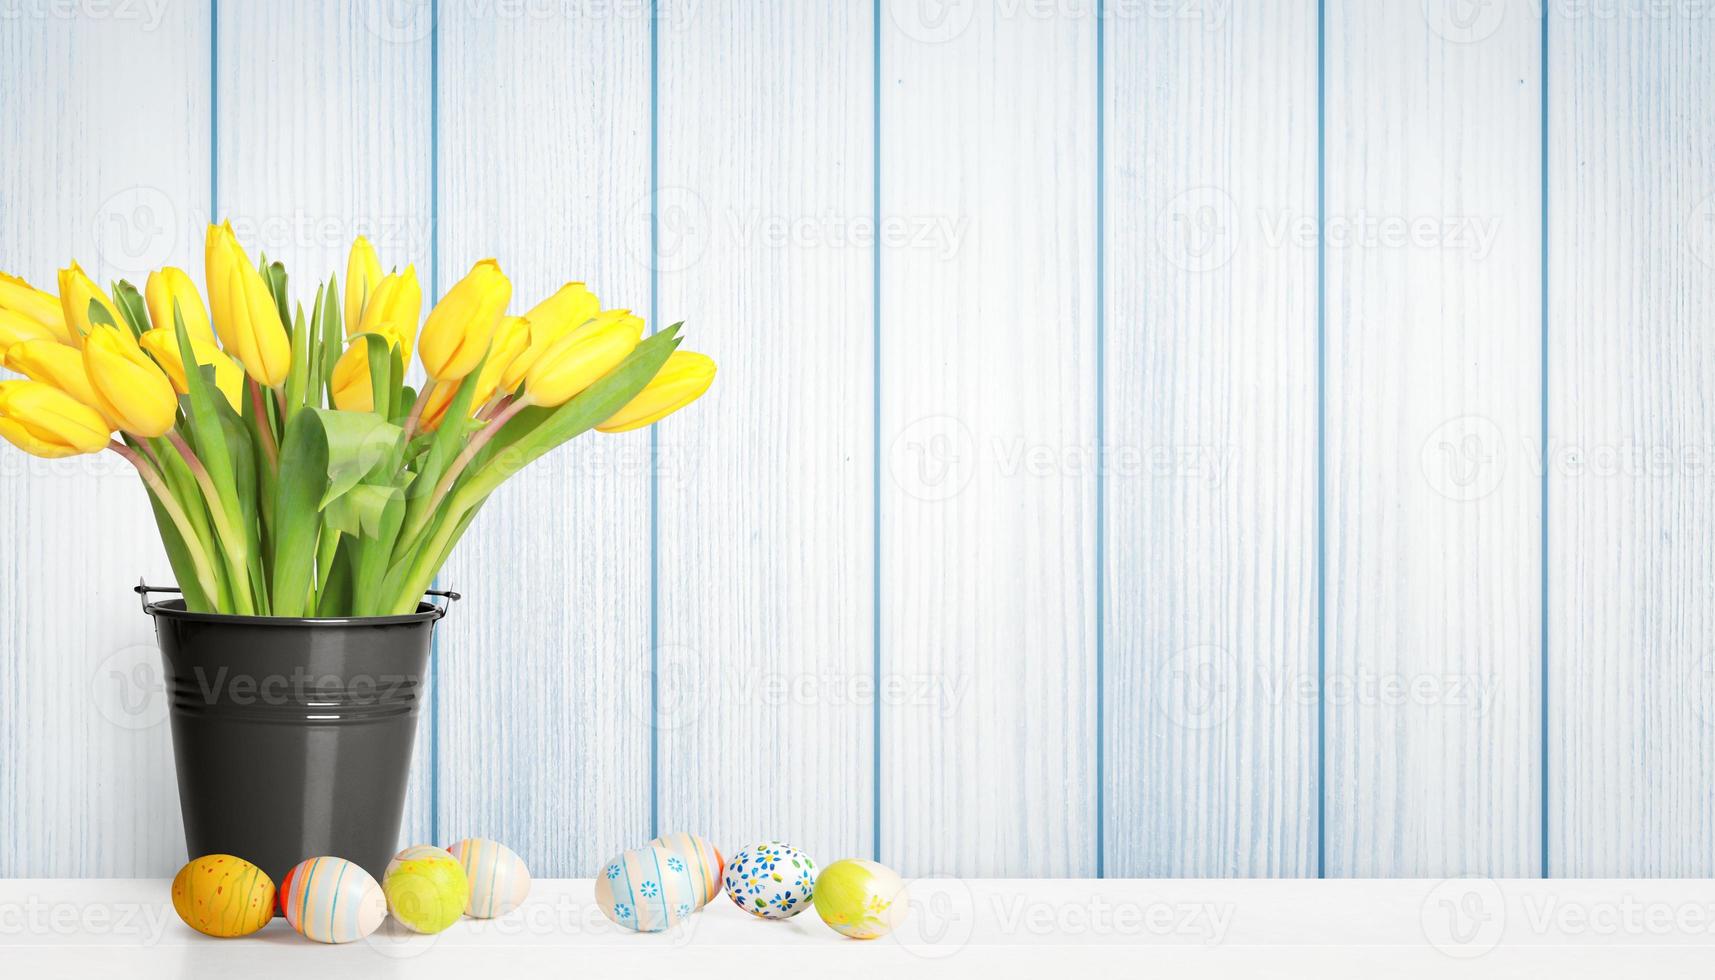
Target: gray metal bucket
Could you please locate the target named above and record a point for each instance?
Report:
(292, 737)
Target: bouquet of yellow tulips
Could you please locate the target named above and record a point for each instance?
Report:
(291, 469)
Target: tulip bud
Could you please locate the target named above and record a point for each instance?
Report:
(26, 302)
(219, 247)
(170, 285)
(258, 338)
(163, 345)
(77, 291)
(45, 421)
(16, 328)
(581, 357)
(351, 382)
(394, 308)
(461, 325)
(569, 308)
(681, 381)
(53, 363)
(362, 275)
(510, 339)
(130, 388)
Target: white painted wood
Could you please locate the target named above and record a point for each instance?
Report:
(1433, 524)
(106, 171)
(322, 135)
(1632, 364)
(988, 405)
(766, 507)
(545, 717)
(1210, 612)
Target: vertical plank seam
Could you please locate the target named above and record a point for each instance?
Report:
(434, 292)
(654, 438)
(1321, 439)
(1101, 443)
(875, 432)
(1543, 441)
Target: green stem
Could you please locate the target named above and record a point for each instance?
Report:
(264, 425)
(170, 504)
(235, 546)
(417, 409)
(463, 459)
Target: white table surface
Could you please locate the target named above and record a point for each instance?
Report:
(1061, 929)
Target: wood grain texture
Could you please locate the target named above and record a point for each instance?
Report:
(1433, 400)
(545, 720)
(1632, 376)
(1211, 443)
(86, 783)
(988, 418)
(766, 505)
(322, 135)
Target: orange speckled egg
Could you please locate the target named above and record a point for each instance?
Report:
(225, 896)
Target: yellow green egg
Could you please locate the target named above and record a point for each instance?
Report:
(860, 899)
(224, 896)
(426, 888)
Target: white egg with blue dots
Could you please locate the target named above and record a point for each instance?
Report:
(647, 890)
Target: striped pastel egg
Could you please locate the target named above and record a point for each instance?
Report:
(499, 881)
(647, 890)
(772, 880)
(332, 900)
(221, 895)
(704, 859)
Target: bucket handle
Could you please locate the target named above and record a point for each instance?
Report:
(143, 590)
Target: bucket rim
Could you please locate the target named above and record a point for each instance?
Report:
(427, 612)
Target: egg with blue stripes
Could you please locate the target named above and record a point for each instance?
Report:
(332, 900)
(499, 881)
(647, 890)
(707, 864)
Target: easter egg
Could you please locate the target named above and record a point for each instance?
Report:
(426, 888)
(772, 880)
(332, 900)
(499, 882)
(860, 899)
(225, 896)
(704, 859)
(647, 890)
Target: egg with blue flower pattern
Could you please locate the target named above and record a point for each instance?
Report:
(704, 858)
(647, 890)
(772, 880)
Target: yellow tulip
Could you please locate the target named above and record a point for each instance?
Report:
(170, 285)
(681, 381)
(461, 325)
(259, 339)
(45, 421)
(350, 381)
(362, 275)
(510, 339)
(570, 307)
(163, 346)
(130, 388)
(394, 308)
(53, 363)
(77, 291)
(219, 246)
(16, 328)
(581, 357)
(26, 302)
